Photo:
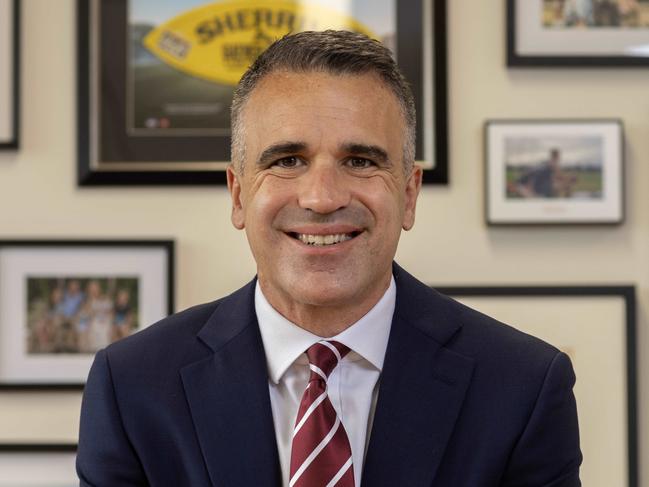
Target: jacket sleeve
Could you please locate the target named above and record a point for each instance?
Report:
(105, 457)
(547, 454)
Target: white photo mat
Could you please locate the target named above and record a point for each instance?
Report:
(17, 263)
(500, 209)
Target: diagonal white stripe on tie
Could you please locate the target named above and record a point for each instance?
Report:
(308, 412)
(333, 349)
(340, 473)
(318, 371)
(325, 441)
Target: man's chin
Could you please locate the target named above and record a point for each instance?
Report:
(327, 294)
(336, 291)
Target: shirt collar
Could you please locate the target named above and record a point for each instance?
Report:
(284, 341)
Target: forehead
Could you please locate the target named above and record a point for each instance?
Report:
(298, 105)
(284, 82)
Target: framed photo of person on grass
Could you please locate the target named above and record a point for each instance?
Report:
(554, 172)
(156, 78)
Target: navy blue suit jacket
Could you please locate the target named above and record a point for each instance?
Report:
(464, 401)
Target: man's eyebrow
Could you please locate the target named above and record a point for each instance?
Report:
(279, 149)
(373, 151)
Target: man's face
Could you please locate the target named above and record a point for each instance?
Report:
(323, 195)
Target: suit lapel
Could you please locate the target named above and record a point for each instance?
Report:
(422, 389)
(227, 393)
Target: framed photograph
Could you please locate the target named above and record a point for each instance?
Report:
(62, 301)
(9, 73)
(554, 172)
(595, 326)
(156, 78)
(578, 33)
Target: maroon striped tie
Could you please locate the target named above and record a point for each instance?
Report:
(321, 455)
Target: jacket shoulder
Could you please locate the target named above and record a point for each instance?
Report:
(173, 327)
(505, 357)
(164, 342)
(468, 331)
(486, 332)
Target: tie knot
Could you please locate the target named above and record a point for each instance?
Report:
(323, 358)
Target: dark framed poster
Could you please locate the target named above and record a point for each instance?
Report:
(9, 73)
(596, 327)
(156, 78)
(577, 33)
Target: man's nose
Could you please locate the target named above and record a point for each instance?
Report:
(323, 188)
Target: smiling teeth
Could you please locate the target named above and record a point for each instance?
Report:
(323, 239)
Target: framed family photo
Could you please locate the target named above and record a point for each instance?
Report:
(554, 172)
(596, 327)
(9, 73)
(578, 33)
(62, 301)
(156, 78)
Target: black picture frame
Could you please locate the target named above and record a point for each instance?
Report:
(563, 57)
(139, 161)
(627, 293)
(45, 390)
(604, 205)
(12, 140)
(166, 246)
(38, 447)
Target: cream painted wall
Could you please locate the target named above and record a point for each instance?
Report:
(450, 243)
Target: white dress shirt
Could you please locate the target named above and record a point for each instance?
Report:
(352, 386)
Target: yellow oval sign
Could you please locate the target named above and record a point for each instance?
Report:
(219, 41)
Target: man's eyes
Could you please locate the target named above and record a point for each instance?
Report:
(360, 163)
(288, 162)
(291, 162)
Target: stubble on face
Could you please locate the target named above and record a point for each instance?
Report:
(323, 162)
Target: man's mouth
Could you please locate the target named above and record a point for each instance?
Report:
(323, 240)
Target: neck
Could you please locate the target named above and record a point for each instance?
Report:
(324, 319)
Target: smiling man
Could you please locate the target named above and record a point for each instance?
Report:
(334, 367)
(323, 193)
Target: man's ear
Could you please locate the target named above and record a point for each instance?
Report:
(413, 185)
(234, 186)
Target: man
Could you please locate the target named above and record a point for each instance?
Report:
(547, 180)
(334, 366)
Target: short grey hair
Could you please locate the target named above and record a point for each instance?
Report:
(330, 51)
